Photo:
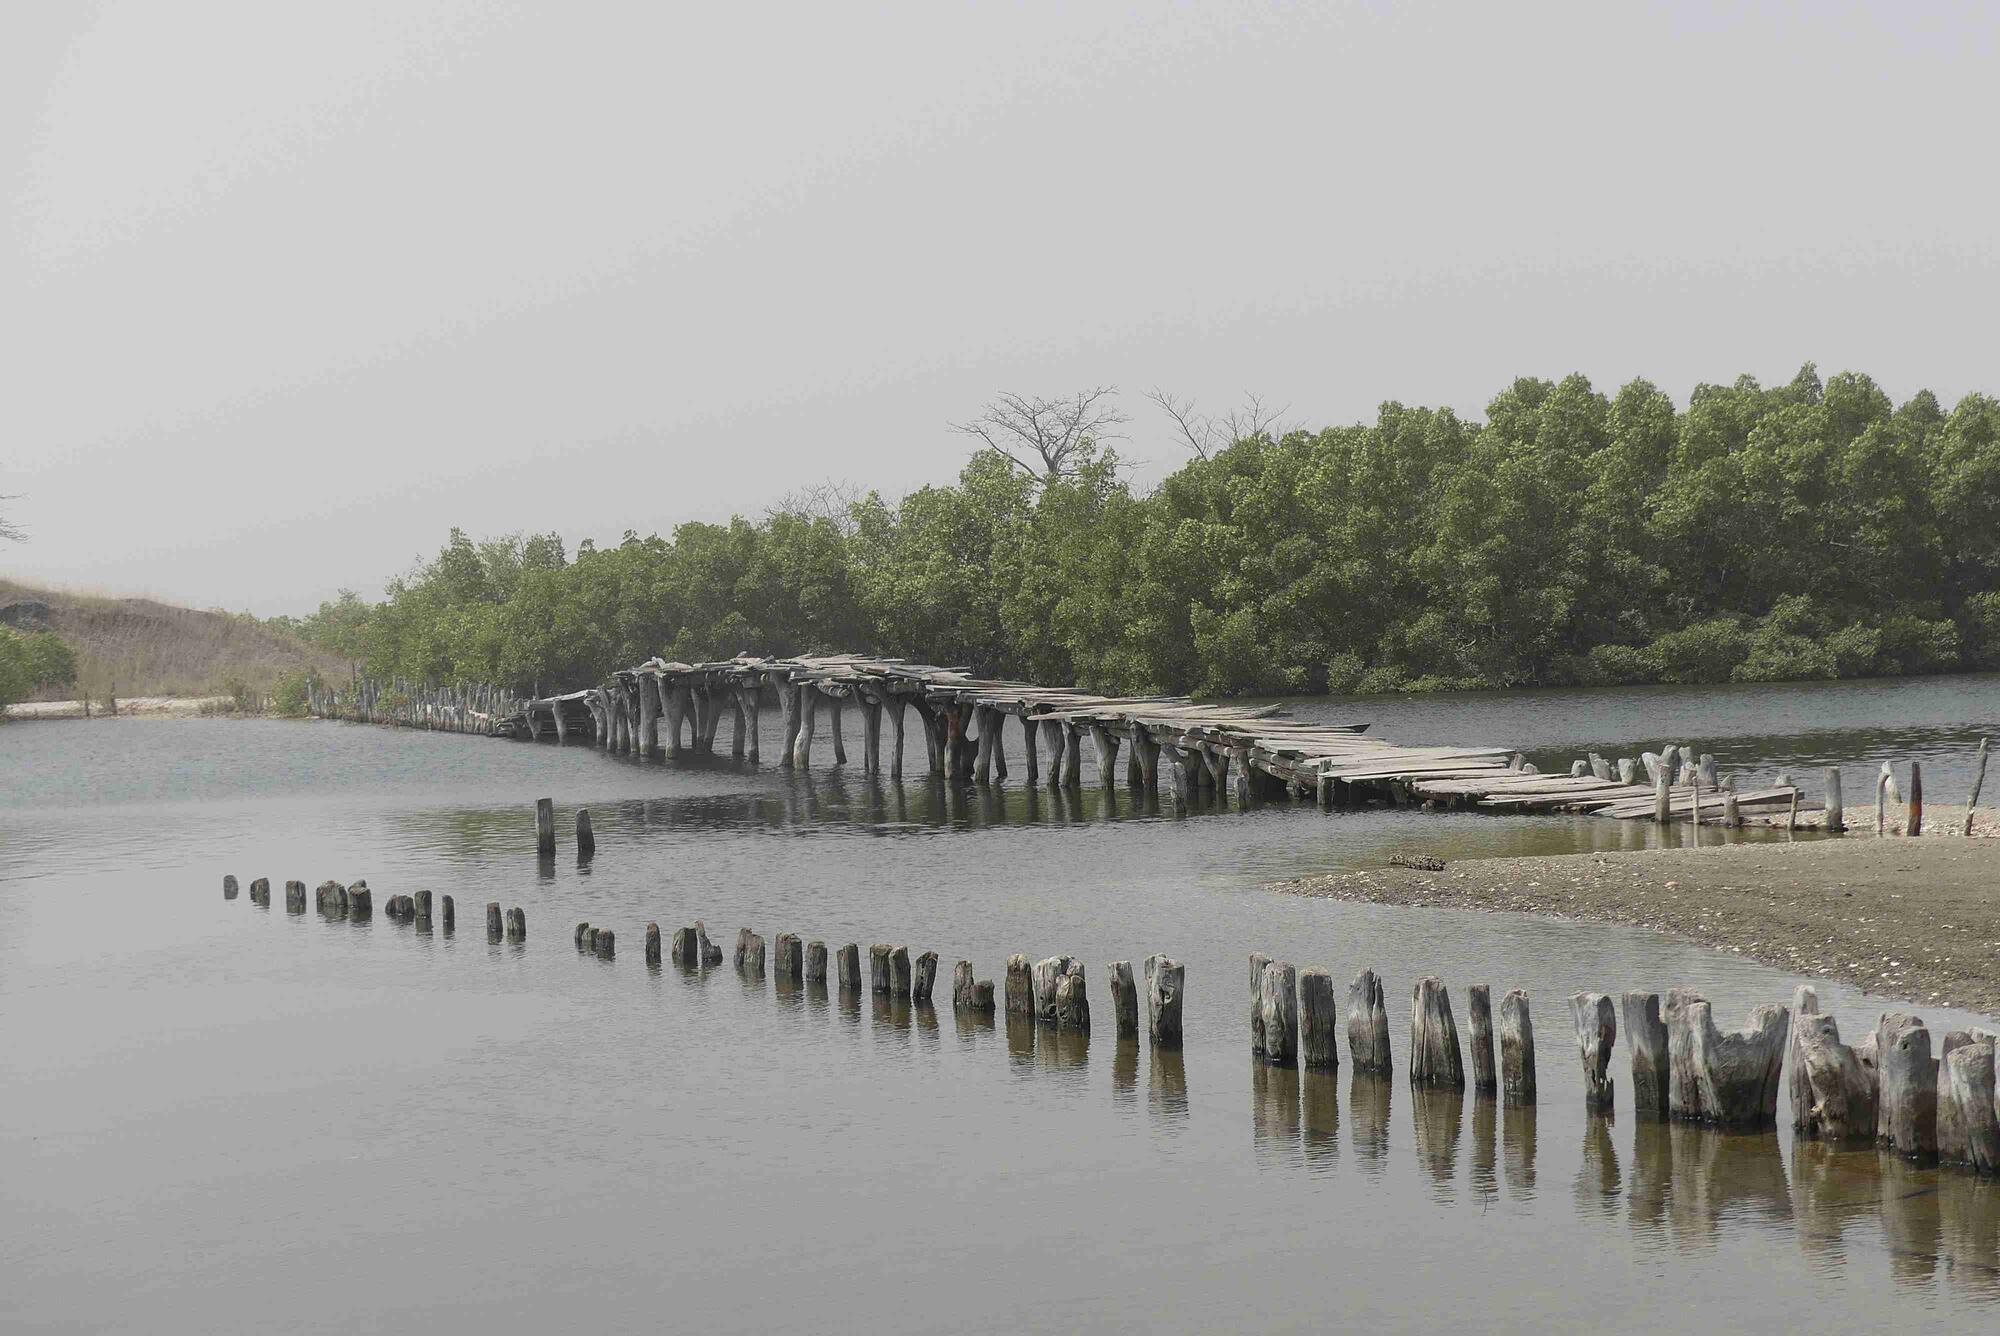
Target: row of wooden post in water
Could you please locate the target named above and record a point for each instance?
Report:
(450, 708)
(355, 900)
(1891, 1088)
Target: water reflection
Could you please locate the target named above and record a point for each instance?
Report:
(1125, 1073)
(1436, 1114)
(1320, 1101)
(1369, 1098)
(1167, 1088)
(1274, 1112)
(1485, 1179)
(1598, 1181)
(1517, 1150)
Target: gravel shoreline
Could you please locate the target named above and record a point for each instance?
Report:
(1911, 920)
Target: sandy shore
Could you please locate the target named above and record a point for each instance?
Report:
(1916, 920)
(153, 707)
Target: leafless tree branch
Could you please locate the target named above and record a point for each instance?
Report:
(1206, 436)
(1054, 433)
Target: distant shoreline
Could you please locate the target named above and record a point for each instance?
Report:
(148, 707)
(1898, 918)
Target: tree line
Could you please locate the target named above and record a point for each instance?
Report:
(1814, 529)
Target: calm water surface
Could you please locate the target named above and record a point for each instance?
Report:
(216, 1116)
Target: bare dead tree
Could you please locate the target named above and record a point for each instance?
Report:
(832, 500)
(1207, 435)
(1051, 433)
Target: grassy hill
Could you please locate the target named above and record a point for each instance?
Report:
(139, 647)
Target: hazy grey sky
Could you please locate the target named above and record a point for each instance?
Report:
(290, 289)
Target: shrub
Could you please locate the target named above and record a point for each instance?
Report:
(1705, 652)
(289, 696)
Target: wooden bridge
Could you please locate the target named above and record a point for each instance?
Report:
(1171, 744)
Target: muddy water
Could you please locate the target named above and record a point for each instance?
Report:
(223, 1117)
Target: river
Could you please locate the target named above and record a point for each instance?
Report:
(217, 1116)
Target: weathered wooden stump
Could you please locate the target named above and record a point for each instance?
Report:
(1479, 1020)
(1833, 1092)
(1020, 986)
(900, 983)
(260, 891)
(1596, 1033)
(652, 943)
(1434, 1054)
(750, 953)
(790, 956)
(961, 986)
(710, 953)
(586, 842)
(1907, 1076)
(923, 977)
(878, 968)
(1124, 999)
(295, 897)
(605, 943)
(1278, 1007)
(360, 900)
(982, 997)
(1517, 1049)
(1045, 975)
(1258, 962)
(1368, 1025)
(1646, 1037)
(229, 887)
(815, 963)
(420, 907)
(517, 924)
(1729, 1079)
(1072, 1005)
(685, 949)
(1319, 1020)
(1968, 1123)
(847, 964)
(741, 954)
(1165, 982)
(450, 914)
(545, 818)
(1805, 1003)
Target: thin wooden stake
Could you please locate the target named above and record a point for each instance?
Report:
(1978, 780)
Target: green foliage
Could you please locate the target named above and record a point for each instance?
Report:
(1810, 530)
(291, 694)
(31, 662)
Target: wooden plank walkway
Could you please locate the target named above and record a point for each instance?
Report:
(1171, 744)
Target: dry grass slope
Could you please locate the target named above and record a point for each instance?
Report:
(138, 647)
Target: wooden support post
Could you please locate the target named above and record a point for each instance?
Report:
(1835, 817)
(1000, 744)
(1913, 822)
(1907, 1076)
(1833, 1094)
(1968, 1125)
(1978, 782)
(1031, 761)
(1052, 742)
(1044, 975)
(1072, 1003)
(983, 720)
(1278, 999)
(788, 711)
(449, 916)
(1165, 983)
(1020, 986)
(1319, 1020)
(493, 919)
(834, 704)
(923, 978)
(1732, 815)
(1662, 797)
(1479, 1021)
(1517, 1049)
(1135, 766)
(1596, 1033)
(1258, 962)
(1072, 760)
(605, 944)
(790, 956)
(517, 924)
(899, 973)
(586, 842)
(1149, 758)
(260, 891)
(713, 693)
(737, 723)
(545, 826)
(847, 965)
(750, 953)
(420, 908)
(1646, 1038)
(878, 968)
(895, 708)
(814, 970)
(1885, 793)
(1434, 1053)
(871, 735)
(1246, 779)
(808, 722)
(685, 950)
(1730, 1080)
(229, 887)
(649, 716)
(1367, 1025)
(968, 993)
(1124, 995)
